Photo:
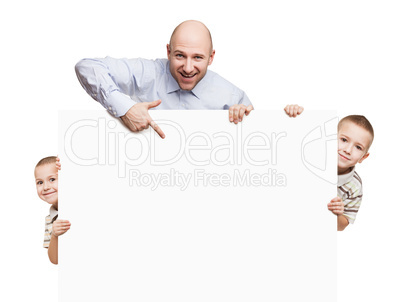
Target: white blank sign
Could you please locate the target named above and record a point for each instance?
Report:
(213, 212)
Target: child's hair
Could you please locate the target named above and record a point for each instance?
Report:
(359, 120)
(46, 161)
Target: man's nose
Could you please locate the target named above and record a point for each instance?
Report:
(188, 66)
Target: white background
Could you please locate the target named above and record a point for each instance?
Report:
(342, 55)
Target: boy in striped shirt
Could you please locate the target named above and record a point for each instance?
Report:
(355, 136)
(46, 178)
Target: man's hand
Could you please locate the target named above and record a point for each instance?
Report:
(236, 112)
(137, 117)
(336, 206)
(293, 110)
(60, 227)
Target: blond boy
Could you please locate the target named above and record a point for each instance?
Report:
(46, 178)
(355, 136)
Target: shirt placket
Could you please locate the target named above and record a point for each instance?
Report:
(183, 99)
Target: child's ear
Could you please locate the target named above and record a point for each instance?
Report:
(364, 157)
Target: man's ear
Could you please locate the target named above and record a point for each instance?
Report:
(364, 157)
(168, 50)
(211, 57)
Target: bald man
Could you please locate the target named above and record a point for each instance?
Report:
(128, 88)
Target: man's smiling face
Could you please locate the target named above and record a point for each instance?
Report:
(190, 53)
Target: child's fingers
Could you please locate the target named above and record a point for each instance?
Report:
(58, 164)
(65, 228)
(293, 110)
(61, 224)
(336, 207)
(60, 228)
(61, 221)
(290, 111)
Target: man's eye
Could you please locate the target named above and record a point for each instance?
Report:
(179, 56)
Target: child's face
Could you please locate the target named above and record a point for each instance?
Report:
(353, 144)
(46, 183)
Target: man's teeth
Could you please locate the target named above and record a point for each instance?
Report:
(188, 76)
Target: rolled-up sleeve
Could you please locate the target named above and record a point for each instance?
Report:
(108, 81)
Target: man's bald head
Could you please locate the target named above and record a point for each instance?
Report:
(190, 53)
(192, 28)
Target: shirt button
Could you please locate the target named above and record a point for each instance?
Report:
(115, 113)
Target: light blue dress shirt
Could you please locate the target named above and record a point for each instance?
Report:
(118, 84)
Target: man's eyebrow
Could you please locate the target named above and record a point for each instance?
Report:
(195, 55)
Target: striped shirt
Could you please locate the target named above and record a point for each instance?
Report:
(48, 226)
(351, 193)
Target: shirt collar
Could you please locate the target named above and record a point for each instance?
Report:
(53, 212)
(345, 178)
(172, 83)
(197, 90)
(201, 85)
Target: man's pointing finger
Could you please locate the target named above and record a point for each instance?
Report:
(157, 129)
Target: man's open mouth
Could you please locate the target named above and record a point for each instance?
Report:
(187, 76)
